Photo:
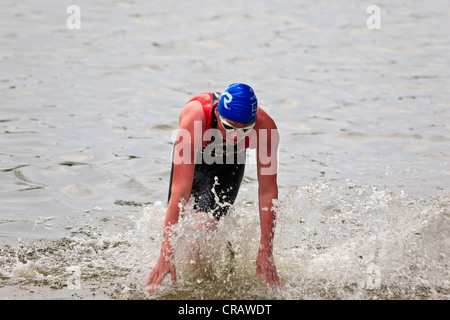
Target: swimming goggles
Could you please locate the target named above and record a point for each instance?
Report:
(229, 127)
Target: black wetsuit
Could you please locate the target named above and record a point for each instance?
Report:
(215, 186)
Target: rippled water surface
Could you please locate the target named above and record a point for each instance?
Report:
(87, 116)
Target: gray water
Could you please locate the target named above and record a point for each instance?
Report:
(87, 116)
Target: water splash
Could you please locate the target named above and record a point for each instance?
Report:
(356, 241)
(349, 241)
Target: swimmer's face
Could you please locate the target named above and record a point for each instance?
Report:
(233, 131)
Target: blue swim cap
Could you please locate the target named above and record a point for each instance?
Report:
(238, 103)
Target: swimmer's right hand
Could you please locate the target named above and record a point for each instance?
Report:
(165, 265)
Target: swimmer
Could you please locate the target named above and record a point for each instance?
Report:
(208, 163)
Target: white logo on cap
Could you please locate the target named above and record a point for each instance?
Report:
(254, 107)
(225, 100)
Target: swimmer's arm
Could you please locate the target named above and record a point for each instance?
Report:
(267, 194)
(267, 159)
(183, 175)
(265, 264)
(185, 153)
(166, 261)
(181, 187)
(267, 165)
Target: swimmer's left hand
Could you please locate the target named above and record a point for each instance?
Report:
(265, 266)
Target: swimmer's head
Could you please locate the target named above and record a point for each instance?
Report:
(238, 103)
